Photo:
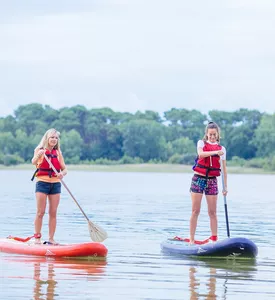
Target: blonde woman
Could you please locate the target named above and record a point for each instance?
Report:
(48, 185)
(204, 181)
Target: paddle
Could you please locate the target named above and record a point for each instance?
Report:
(97, 233)
(225, 202)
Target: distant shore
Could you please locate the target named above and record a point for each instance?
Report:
(153, 168)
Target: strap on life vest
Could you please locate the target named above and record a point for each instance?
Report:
(34, 174)
(51, 155)
(50, 172)
(208, 169)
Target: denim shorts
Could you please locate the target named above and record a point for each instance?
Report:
(48, 188)
(200, 184)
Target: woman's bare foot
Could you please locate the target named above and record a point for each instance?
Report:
(37, 241)
(53, 242)
(37, 238)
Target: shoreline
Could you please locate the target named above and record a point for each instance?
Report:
(150, 168)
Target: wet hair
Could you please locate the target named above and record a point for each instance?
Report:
(212, 125)
(44, 143)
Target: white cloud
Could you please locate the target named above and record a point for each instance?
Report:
(132, 55)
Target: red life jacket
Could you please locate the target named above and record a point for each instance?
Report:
(209, 166)
(44, 168)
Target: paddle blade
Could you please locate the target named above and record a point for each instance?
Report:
(97, 233)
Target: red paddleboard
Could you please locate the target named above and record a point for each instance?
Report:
(81, 250)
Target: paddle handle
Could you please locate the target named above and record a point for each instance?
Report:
(66, 187)
(224, 199)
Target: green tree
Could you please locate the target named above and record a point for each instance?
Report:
(144, 139)
(30, 119)
(68, 120)
(50, 115)
(103, 141)
(148, 115)
(183, 146)
(7, 143)
(71, 145)
(8, 124)
(238, 130)
(24, 145)
(264, 139)
(185, 123)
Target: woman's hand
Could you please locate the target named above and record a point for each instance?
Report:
(40, 153)
(220, 152)
(60, 175)
(37, 156)
(224, 192)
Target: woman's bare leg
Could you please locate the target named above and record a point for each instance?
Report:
(41, 203)
(53, 205)
(212, 212)
(196, 207)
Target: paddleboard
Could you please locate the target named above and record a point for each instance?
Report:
(88, 250)
(230, 247)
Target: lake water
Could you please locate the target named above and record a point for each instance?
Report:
(139, 211)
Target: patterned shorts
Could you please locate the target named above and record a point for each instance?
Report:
(199, 185)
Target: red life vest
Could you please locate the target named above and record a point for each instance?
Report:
(44, 168)
(209, 166)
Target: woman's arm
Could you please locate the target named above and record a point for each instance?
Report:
(62, 164)
(224, 176)
(202, 153)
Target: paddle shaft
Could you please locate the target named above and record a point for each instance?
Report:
(66, 187)
(225, 202)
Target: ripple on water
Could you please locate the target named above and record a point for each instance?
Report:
(138, 211)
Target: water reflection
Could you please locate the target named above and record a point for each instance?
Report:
(49, 283)
(195, 284)
(47, 273)
(218, 269)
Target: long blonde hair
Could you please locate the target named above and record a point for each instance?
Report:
(44, 143)
(212, 125)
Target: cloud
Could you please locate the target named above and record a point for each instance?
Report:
(203, 55)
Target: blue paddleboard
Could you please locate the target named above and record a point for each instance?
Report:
(230, 247)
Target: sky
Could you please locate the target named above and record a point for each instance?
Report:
(138, 54)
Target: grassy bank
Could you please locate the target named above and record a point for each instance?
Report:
(156, 168)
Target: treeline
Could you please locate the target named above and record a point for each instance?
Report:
(105, 136)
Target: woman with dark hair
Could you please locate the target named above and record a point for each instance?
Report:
(204, 181)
